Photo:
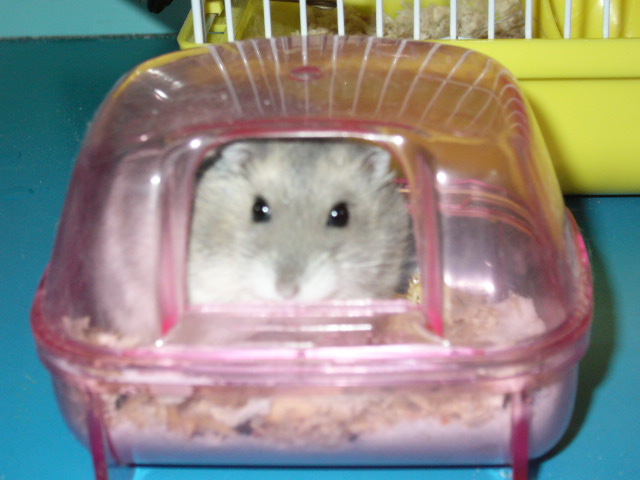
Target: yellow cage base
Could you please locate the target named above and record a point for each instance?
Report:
(585, 95)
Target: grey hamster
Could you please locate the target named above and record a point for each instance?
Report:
(298, 220)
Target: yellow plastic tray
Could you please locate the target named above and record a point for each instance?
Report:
(584, 91)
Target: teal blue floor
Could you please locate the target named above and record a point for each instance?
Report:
(49, 90)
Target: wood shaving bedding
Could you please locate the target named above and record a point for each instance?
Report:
(434, 21)
(324, 417)
(471, 321)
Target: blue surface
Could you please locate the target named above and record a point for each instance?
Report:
(44, 18)
(48, 92)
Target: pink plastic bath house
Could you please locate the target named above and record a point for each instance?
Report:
(492, 235)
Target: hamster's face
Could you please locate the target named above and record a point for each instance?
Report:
(304, 220)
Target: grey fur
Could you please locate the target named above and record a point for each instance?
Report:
(296, 256)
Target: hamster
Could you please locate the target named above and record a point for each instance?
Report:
(298, 221)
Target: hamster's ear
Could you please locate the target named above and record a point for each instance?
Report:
(236, 157)
(377, 162)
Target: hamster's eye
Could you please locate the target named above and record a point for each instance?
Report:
(261, 210)
(339, 215)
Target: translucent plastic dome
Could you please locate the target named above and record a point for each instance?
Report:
(492, 236)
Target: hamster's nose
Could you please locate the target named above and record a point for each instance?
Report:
(287, 289)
